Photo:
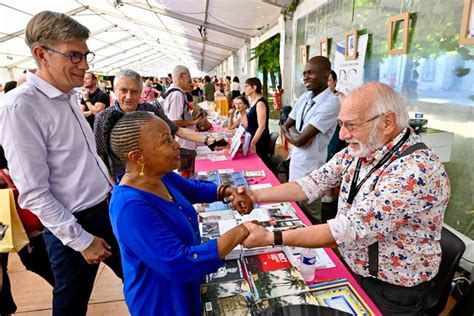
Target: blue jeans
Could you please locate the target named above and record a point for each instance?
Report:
(73, 275)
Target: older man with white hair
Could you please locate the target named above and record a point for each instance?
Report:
(394, 192)
(177, 109)
(128, 85)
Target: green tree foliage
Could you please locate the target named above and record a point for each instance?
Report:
(267, 55)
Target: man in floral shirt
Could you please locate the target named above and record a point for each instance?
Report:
(390, 196)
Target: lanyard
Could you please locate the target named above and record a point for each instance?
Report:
(303, 113)
(356, 187)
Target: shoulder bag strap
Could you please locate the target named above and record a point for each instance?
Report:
(374, 248)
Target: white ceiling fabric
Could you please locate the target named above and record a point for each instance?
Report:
(150, 36)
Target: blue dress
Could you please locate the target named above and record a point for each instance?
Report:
(263, 144)
(162, 255)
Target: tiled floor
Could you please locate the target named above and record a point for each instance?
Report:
(33, 295)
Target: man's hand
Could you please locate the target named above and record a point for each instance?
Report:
(85, 94)
(199, 119)
(242, 199)
(258, 236)
(97, 251)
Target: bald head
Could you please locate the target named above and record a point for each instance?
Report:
(316, 73)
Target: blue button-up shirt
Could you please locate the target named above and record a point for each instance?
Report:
(163, 259)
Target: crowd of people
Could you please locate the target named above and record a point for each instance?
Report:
(99, 175)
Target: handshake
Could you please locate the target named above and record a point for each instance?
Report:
(241, 198)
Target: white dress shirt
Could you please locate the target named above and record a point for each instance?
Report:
(52, 157)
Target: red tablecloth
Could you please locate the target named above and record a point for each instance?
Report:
(253, 162)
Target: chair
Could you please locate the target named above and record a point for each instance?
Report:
(273, 138)
(452, 248)
(465, 305)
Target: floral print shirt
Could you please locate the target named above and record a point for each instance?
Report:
(401, 205)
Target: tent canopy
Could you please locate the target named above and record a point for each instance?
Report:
(148, 36)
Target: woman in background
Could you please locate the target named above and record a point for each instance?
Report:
(154, 220)
(238, 114)
(257, 119)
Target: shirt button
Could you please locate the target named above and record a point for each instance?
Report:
(195, 255)
(190, 218)
(180, 207)
(196, 233)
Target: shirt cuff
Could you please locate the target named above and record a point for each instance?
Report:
(82, 242)
(310, 188)
(342, 231)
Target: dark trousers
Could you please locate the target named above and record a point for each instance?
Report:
(7, 304)
(396, 300)
(73, 275)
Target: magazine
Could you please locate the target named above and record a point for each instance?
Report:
(230, 271)
(236, 305)
(266, 262)
(278, 283)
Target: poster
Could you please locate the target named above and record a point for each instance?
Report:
(350, 73)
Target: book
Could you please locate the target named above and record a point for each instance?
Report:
(236, 305)
(281, 211)
(295, 299)
(212, 291)
(276, 283)
(211, 207)
(208, 216)
(257, 214)
(230, 271)
(341, 296)
(266, 262)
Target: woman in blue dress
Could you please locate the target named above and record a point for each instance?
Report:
(257, 119)
(155, 223)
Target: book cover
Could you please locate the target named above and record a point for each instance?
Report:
(296, 299)
(230, 271)
(343, 297)
(236, 305)
(206, 217)
(234, 179)
(211, 207)
(280, 211)
(266, 262)
(212, 291)
(278, 283)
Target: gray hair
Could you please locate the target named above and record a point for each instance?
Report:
(48, 28)
(178, 70)
(384, 99)
(131, 74)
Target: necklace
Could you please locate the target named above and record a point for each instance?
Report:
(161, 190)
(164, 190)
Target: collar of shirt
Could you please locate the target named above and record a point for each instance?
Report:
(174, 86)
(45, 87)
(320, 97)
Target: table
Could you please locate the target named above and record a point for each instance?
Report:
(253, 162)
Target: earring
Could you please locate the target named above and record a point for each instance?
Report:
(141, 172)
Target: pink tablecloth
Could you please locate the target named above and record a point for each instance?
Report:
(253, 162)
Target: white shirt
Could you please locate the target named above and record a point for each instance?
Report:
(52, 157)
(235, 86)
(174, 109)
(323, 116)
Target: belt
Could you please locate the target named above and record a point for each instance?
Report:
(88, 211)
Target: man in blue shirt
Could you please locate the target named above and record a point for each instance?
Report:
(310, 125)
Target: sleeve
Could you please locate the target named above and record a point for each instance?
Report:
(174, 108)
(22, 137)
(99, 134)
(400, 193)
(104, 98)
(195, 191)
(159, 112)
(326, 118)
(294, 110)
(326, 177)
(149, 237)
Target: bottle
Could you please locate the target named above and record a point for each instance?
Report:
(308, 263)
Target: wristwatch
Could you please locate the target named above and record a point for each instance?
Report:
(277, 238)
(205, 141)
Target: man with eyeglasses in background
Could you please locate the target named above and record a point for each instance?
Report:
(310, 126)
(53, 161)
(394, 192)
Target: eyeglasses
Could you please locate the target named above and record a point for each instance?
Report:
(353, 126)
(75, 57)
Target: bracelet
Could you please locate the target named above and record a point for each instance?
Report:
(277, 238)
(221, 192)
(205, 141)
